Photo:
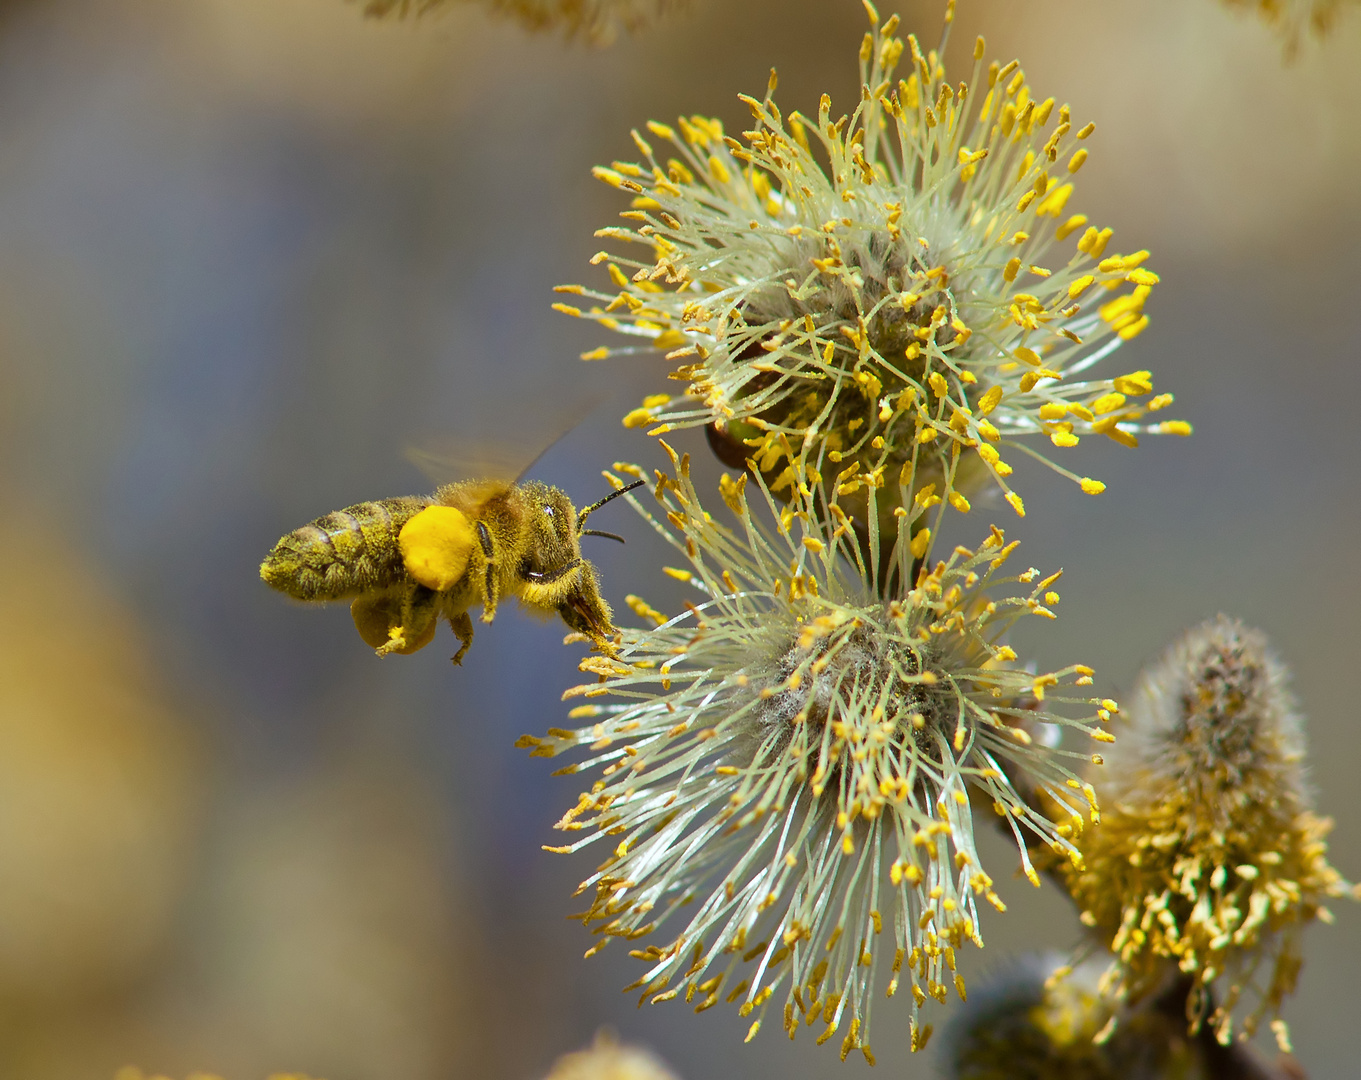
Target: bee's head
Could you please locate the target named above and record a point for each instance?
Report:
(552, 524)
(556, 527)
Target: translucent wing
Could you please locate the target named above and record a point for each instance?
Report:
(505, 452)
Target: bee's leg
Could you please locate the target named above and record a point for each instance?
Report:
(584, 610)
(419, 609)
(462, 626)
(375, 614)
(489, 569)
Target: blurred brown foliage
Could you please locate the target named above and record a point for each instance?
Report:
(598, 21)
(99, 798)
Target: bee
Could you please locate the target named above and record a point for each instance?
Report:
(406, 561)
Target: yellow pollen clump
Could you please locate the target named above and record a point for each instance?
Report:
(436, 545)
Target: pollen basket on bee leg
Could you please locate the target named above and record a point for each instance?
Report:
(379, 621)
(436, 545)
(374, 616)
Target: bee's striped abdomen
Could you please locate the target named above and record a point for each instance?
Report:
(344, 553)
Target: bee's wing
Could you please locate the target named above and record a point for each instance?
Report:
(449, 459)
(472, 455)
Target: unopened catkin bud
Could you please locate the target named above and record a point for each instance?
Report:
(607, 1060)
(1208, 858)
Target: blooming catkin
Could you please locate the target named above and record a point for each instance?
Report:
(1208, 859)
(788, 771)
(919, 304)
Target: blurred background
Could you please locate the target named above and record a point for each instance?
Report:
(250, 250)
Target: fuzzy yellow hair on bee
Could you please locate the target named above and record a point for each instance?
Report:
(406, 561)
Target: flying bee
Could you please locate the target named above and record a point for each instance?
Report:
(404, 562)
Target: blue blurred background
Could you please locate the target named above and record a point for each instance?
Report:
(250, 250)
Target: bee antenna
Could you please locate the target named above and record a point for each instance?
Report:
(607, 535)
(597, 505)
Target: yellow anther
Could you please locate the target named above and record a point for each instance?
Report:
(1080, 286)
(1133, 329)
(1055, 201)
(1070, 226)
(989, 401)
(1136, 382)
(1107, 403)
